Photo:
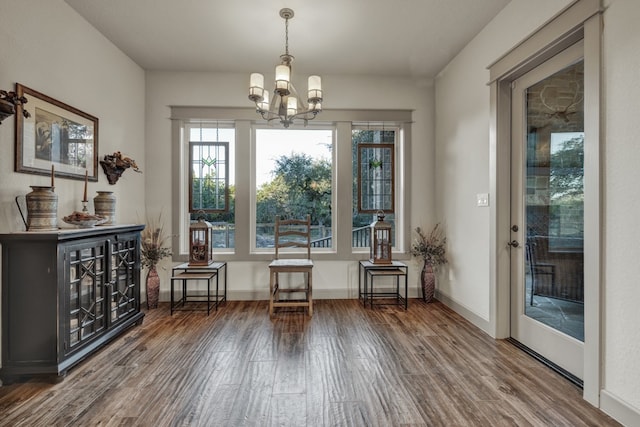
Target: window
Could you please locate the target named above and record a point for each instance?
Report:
(286, 172)
(294, 170)
(211, 155)
(373, 180)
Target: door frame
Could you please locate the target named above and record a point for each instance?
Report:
(582, 19)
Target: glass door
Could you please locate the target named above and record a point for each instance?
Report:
(85, 270)
(547, 305)
(124, 283)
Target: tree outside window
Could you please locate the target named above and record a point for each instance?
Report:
(293, 179)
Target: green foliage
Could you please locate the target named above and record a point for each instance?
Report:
(567, 171)
(222, 216)
(208, 194)
(301, 186)
(566, 185)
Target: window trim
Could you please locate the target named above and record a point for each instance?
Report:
(343, 120)
(181, 173)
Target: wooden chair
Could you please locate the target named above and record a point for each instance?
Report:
(291, 233)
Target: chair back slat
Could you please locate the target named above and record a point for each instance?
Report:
(293, 233)
(302, 234)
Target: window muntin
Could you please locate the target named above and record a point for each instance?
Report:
(376, 178)
(294, 177)
(209, 190)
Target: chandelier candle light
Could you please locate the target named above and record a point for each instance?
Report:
(286, 105)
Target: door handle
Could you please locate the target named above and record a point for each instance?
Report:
(513, 244)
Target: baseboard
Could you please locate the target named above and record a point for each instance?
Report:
(618, 409)
(464, 312)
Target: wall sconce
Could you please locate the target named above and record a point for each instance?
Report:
(9, 101)
(115, 164)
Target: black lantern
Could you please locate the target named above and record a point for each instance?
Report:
(380, 242)
(200, 243)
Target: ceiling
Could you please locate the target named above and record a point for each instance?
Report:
(405, 38)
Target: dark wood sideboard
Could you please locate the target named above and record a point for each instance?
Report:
(65, 294)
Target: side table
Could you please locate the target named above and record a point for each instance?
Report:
(368, 271)
(185, 273)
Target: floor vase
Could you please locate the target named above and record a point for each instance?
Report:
(153, 287)
(428, 281)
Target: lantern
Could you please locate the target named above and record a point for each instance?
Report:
(380, 242)
(200, 241)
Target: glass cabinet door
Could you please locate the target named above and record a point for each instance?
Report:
(85, 270)
(124, 278)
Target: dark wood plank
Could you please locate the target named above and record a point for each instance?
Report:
(347, 365)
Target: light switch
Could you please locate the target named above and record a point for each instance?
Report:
(482, 199)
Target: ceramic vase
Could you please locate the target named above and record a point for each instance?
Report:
(153, 287)
(105, 205)
(42, 209)
(428, 281)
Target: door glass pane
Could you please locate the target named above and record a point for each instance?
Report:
(554, 201)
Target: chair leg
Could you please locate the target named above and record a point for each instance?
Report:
(271, 284)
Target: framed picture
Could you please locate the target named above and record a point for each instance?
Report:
(56, 136)
(376, 178)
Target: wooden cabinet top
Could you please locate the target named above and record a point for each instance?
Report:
(63, 234)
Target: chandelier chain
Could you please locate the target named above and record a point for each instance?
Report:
(286, 36)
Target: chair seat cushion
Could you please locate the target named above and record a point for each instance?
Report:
(291, 263)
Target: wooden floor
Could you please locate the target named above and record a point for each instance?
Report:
(346, 366)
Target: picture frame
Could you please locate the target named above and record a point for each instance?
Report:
(57, 139)
(376, 176)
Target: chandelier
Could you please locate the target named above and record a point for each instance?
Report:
(286, 105)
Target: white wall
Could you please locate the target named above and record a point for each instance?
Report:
(462, 147)
(46, 46)
(462, 152)
(166, 89)
(621, 39)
